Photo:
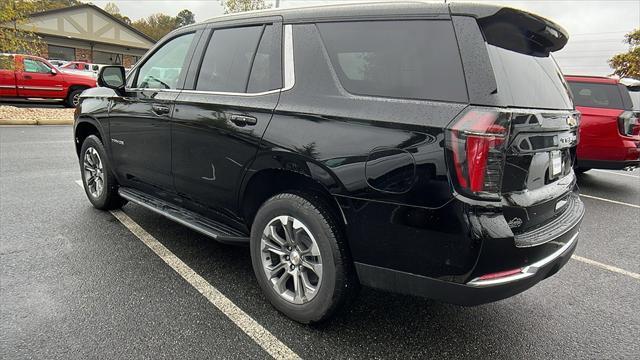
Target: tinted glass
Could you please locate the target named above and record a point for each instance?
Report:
(529, 81)
(635, 98)
(227, 62)
(162, 70)
(266, 73)
(415, 59)
(7, 62)
(596, 95)
(35, 66)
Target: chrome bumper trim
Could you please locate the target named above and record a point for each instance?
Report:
(525, 272)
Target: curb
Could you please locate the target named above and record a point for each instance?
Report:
(35, 122)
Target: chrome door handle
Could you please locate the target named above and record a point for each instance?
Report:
(160, 109)
(243, 120)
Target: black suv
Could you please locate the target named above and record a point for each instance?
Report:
(424, 149)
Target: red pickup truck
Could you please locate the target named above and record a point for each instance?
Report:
(25, 76)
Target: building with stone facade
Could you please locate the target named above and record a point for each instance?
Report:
(87, 33)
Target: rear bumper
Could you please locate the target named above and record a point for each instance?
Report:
(502, 270)
(476, 291)
(610, 165)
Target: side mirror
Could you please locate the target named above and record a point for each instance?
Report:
(54, 72)
(112, 77)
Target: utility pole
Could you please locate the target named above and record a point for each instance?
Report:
(277, 4)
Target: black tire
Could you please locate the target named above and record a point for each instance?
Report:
(339, 283)
(108, 198)
(69, 101)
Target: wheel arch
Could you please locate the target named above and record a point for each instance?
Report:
(294, 173)
(84, 127)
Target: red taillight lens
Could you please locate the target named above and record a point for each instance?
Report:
(628, 123)
(475, 144)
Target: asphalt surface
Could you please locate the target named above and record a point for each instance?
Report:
(75, 284)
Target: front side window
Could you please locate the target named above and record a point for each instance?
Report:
(35, 66)
(415, 59)
(162, 70)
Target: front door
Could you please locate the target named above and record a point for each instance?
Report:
(218, 123)
(140, 121)
(38, 80)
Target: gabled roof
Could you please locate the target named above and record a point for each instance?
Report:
(98, 9)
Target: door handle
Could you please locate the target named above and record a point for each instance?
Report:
(243, 120)
(27, 77)
(160, 109)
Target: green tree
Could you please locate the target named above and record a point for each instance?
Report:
(185, 17)
(14, 38)
(43, 5)
(156, 26)
(234, 6)
(628, 64)
(114, 10)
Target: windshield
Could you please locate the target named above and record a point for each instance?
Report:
(529, 81)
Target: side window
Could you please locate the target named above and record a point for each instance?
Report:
(416, 59)
(227, 61)
(35, 66)
(7, 62)
(266, 73)
(596, 95)
(162, 70)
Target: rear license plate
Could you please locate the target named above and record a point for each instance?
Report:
(555, 163)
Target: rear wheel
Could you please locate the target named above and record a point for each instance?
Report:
(99, 183)
(299, 257)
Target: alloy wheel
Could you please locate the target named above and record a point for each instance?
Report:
(93, 172)
(291, 259)
(75, 100)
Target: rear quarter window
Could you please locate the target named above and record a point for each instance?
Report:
(596, 95)
(415, 59)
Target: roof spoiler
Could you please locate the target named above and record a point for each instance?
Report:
(514, 29)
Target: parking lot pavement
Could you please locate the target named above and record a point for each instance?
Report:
(76, 283)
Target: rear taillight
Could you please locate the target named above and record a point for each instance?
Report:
(628, 123)
(476, 144)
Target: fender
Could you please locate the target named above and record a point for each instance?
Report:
(281, 159)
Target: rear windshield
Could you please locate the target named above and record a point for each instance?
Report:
(529, 81)
(596, 95)
(635, 98)
(415, 59)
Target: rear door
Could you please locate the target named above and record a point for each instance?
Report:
(219, 119)
(600, 105)
(140, 121)
(37, 79)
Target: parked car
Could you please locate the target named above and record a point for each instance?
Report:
(25, 76)
(419, 148)
(58, 63)
(609, 129)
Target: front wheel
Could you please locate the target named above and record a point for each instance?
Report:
(98, 180)
(73, 99)
(300, 258)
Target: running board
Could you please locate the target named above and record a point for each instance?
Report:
(199, 223)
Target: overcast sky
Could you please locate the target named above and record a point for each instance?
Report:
(596, 28)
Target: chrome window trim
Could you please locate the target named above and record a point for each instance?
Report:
(289, 66)
(275, 91)
(288, 74)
